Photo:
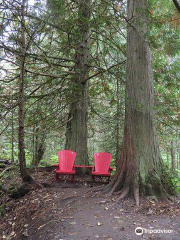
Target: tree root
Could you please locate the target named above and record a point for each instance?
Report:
(136, 196)
(96, 189)
(124, 193)
(116, 182)
(18, 192)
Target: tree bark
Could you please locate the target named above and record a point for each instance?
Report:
(173, 160)
(76, 131)
(140, 168)
(118, 109)
(39, 144)
(22, 161)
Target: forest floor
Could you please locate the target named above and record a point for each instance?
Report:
(71, 211)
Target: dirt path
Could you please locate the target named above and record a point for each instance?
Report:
(66, 211)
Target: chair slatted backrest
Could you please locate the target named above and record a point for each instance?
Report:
(102, 162)
(66, 160)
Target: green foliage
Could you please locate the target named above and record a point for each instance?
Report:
(171, 180)
(6, 153)
(49, 162)
(2, 165)
(176, 182)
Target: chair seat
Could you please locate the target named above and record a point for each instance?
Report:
(100, 173)
(65, 172)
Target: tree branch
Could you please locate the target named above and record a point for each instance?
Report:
(177, 5)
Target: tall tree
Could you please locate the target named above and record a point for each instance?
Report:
(76, 131)
(140, 167)
(22, 161)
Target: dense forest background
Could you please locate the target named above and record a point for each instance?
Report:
(39, 48)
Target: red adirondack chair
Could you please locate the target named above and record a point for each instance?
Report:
(66, 163)
(102, 167)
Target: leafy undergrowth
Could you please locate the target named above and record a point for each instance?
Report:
(64, 210)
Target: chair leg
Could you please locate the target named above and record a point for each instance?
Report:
(93, 178)
(109, 179)
(72, 178)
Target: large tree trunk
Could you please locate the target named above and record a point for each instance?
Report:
(76, 132)
(140, 167)
(22, 161)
